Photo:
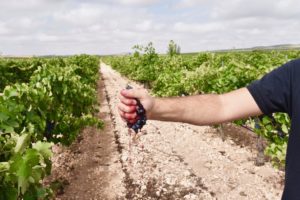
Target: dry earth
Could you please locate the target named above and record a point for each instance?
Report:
(166, 160)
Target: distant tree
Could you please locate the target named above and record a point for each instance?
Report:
(148, 52)
(173, 49)
(137, 50)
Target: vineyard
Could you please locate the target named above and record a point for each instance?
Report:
(181, 75)
(44, 102)
(50, 120)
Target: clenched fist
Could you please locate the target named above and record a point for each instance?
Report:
(128, 105)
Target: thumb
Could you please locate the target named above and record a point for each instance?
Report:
(133, 93)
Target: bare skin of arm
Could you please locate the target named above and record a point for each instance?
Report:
(199, 109)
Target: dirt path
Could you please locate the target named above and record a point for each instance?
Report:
(90, 168)
(168, 161)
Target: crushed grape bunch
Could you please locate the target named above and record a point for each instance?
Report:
(141, 113)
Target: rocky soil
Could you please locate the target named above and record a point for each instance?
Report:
(165, 161)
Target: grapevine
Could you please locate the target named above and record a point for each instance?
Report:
(42, 102)
(211, 73)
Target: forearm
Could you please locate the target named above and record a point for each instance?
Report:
(198, 110)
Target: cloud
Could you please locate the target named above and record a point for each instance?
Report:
(47, 38)
(245, 8)
(191, 3)
(3, 29)
(256, 8)
(198, 28)
(82, 15)
(138, 2)
(112, 26)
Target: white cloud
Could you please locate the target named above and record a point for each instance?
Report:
(114, 26)
(83, 15)
(3, 29)
(191, 3)
(145, 25)
(138, 2)
(47, 38)
(149, 25)
(245, 8)
(198, 28)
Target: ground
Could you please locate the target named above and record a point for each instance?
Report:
(165, 161)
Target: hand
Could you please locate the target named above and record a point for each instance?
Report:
(128, 104)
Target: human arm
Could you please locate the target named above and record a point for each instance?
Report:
(205, 109)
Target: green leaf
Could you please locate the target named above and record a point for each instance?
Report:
(8, 193)
(4, 166)
(3, 116)
(6, 128)
(31, 194)
(21, 143)
(269, 128)
(266, 120)
(284, 128)
(10, 92)
(43, 148)
(30, 160)
(13, 124)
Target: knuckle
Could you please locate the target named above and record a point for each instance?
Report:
(128, 109)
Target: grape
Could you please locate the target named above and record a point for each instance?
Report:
(49, 127)
(141, 115)
(140, 111)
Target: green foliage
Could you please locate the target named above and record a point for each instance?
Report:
(277, 153)
(55, 100)
(17, 70)
(177, 75)
(173, 49)
(276, 129)
(142, 66)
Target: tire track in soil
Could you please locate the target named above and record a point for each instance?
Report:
(180, 161)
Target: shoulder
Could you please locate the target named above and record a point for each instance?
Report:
(292, 69)
(287, 70)
(274, 90)
(296, 61)
(293, 63)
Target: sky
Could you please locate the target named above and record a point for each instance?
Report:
(65, 27)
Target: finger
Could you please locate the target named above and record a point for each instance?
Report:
(132, 121)
(126, 109)
(126, 118)
(133, 93)
(123, 116)
(128, 101)
(130, 116)
(120, 96)
(121, 113)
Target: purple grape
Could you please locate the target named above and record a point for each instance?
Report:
(141, 113)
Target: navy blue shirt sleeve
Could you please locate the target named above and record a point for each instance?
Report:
(273, 93)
